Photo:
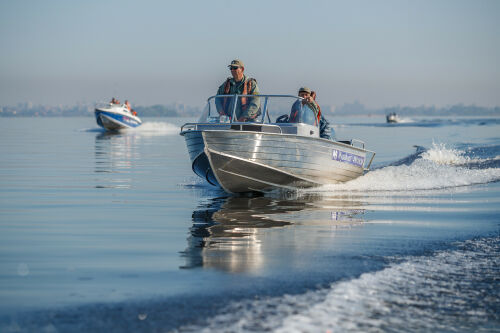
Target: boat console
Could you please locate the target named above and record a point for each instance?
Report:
(284, 114)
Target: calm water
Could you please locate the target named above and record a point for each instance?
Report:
(114, 233)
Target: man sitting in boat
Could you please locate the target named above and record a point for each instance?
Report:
(248, 108)
(114, 101)
(309, 100)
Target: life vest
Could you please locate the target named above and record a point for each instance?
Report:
(313, 95)
(247, 86)
(294, 113)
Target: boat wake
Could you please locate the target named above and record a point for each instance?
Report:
(147, 128)
(454, 289)
(436, 168)
(431, 122)
(411, 294)
(159, 128)
(404, 120)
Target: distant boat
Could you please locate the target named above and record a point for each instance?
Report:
(115, 117)
(392, 117)
(267, 154)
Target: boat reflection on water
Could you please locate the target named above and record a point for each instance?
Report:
(229, 233)
(115, 154)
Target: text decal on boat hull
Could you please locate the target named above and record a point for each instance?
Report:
(342, 156)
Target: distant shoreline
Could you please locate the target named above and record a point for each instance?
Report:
(181, 110)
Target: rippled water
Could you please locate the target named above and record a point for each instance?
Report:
(113, 232)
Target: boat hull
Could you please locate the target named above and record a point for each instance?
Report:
(199, 161)
(114, 121)
(392, 118)
(249, 161)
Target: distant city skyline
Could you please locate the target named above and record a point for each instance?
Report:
(380, 53)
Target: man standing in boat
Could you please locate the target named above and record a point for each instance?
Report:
(248, 108)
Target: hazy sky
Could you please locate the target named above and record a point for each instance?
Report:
(382, 53)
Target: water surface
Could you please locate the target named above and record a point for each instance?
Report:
(113, 232)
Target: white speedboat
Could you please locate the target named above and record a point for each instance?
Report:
(115, 117)
(392, 118)
(262, 154)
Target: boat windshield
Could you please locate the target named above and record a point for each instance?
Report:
(258, 109)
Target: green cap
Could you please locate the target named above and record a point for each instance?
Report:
(305, 89)
(236, 62)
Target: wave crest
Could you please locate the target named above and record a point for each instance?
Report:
(441, 154)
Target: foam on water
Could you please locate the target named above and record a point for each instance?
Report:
(437, 168)
(441, 154)
(405, 120)
(455, 290)
(157, 128)
(152, 128)
(397, 296)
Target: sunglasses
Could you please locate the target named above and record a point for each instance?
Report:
(234, 68)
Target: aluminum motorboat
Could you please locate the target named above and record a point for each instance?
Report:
(114, 117)
(267, 152)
